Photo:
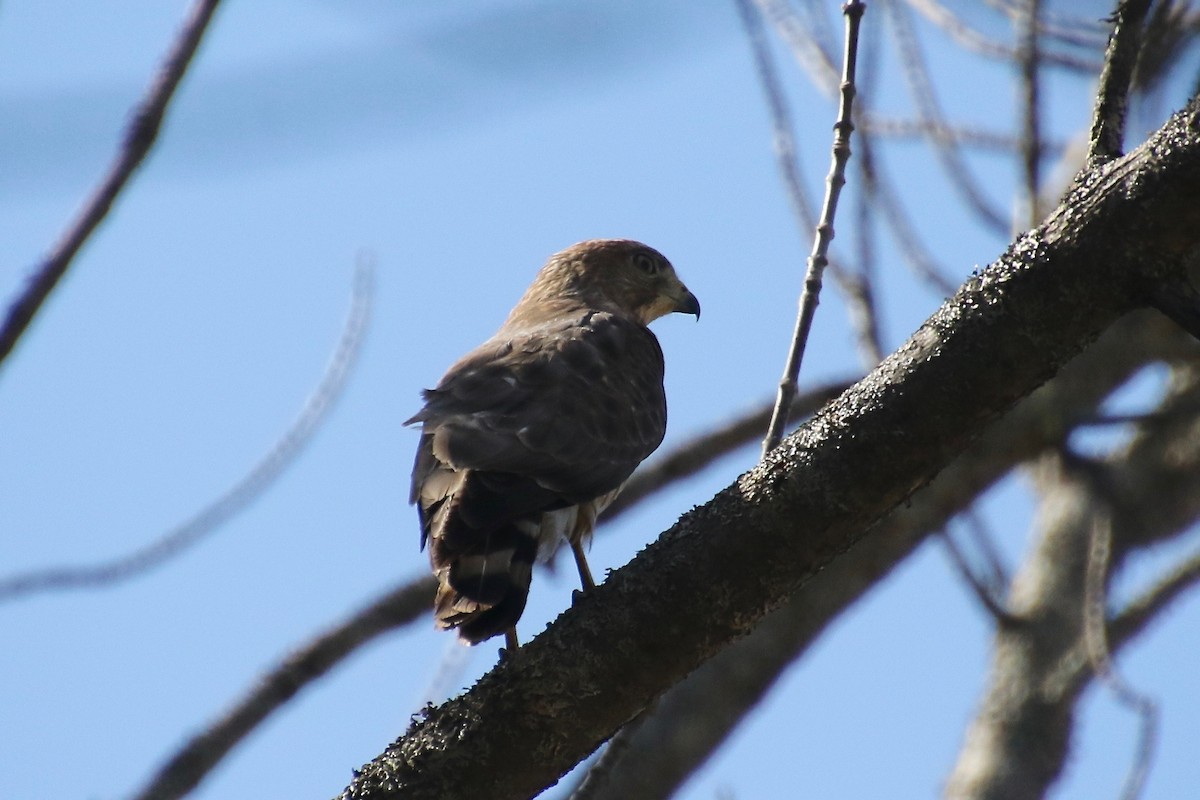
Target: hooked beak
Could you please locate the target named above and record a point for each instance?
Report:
(687, 304)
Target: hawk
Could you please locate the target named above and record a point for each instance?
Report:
(528, 437)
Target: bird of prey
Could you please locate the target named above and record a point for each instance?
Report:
(531, 435)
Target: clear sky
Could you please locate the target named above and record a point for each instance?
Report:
(460, 144)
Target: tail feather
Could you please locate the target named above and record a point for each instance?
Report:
(483, 592)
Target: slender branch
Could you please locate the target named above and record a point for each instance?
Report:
(900, 127)
(237, 497)
(865, 311)
(983, 593)
(1076, 30)
(973, 40)
(809, 298)
(781, 128)
(808, 50)
(916, 74)
(856, 290)
(1096, 645)
(1112, 100)
(183, 771)
(1134, 618)
(1030, 60)
(997, 573)
(885, 198)
(139, 138)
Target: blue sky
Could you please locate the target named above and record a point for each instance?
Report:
(459, 144)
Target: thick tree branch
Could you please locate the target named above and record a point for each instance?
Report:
(694, 717)
(723, 566)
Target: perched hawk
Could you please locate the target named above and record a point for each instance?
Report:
(530, 435)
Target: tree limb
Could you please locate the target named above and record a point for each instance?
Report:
(694, 717)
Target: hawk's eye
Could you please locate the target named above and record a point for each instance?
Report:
(646, 263)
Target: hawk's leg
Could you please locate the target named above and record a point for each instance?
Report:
(510, 643)
(585, 574)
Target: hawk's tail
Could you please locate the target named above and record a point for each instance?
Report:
(482, 592)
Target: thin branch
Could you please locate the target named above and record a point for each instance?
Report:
(859, 301)
(976, 42)
(139, 138)
(1077, 31)
(899, 127)
(781, 128)
(191, 763)
(916, 74)
(913, 250)
(241, 494)
(1030, 60)
(809, 298)
(1108, 120)
(806, 47)
(984, 594)
(865, 311)
(997, 573)
(1134, 618)
(1096, 643)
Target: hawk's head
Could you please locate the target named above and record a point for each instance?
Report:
(617, 274)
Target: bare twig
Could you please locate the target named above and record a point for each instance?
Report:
(973, 40)
(807, 47)
(139, 138)
(916, 74)
(997, 577)
(983, 593)
(1030, 59)
(1095, 639)
(854, 288)
(1108, 121)
(192, 762)
(912, 248)
(781, 129)
(899, 127)
(1075, 30)
(809, 298)
(241, 494)
(865, 311)
(1134, 618)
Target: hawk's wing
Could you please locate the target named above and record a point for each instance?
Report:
(573, 404)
